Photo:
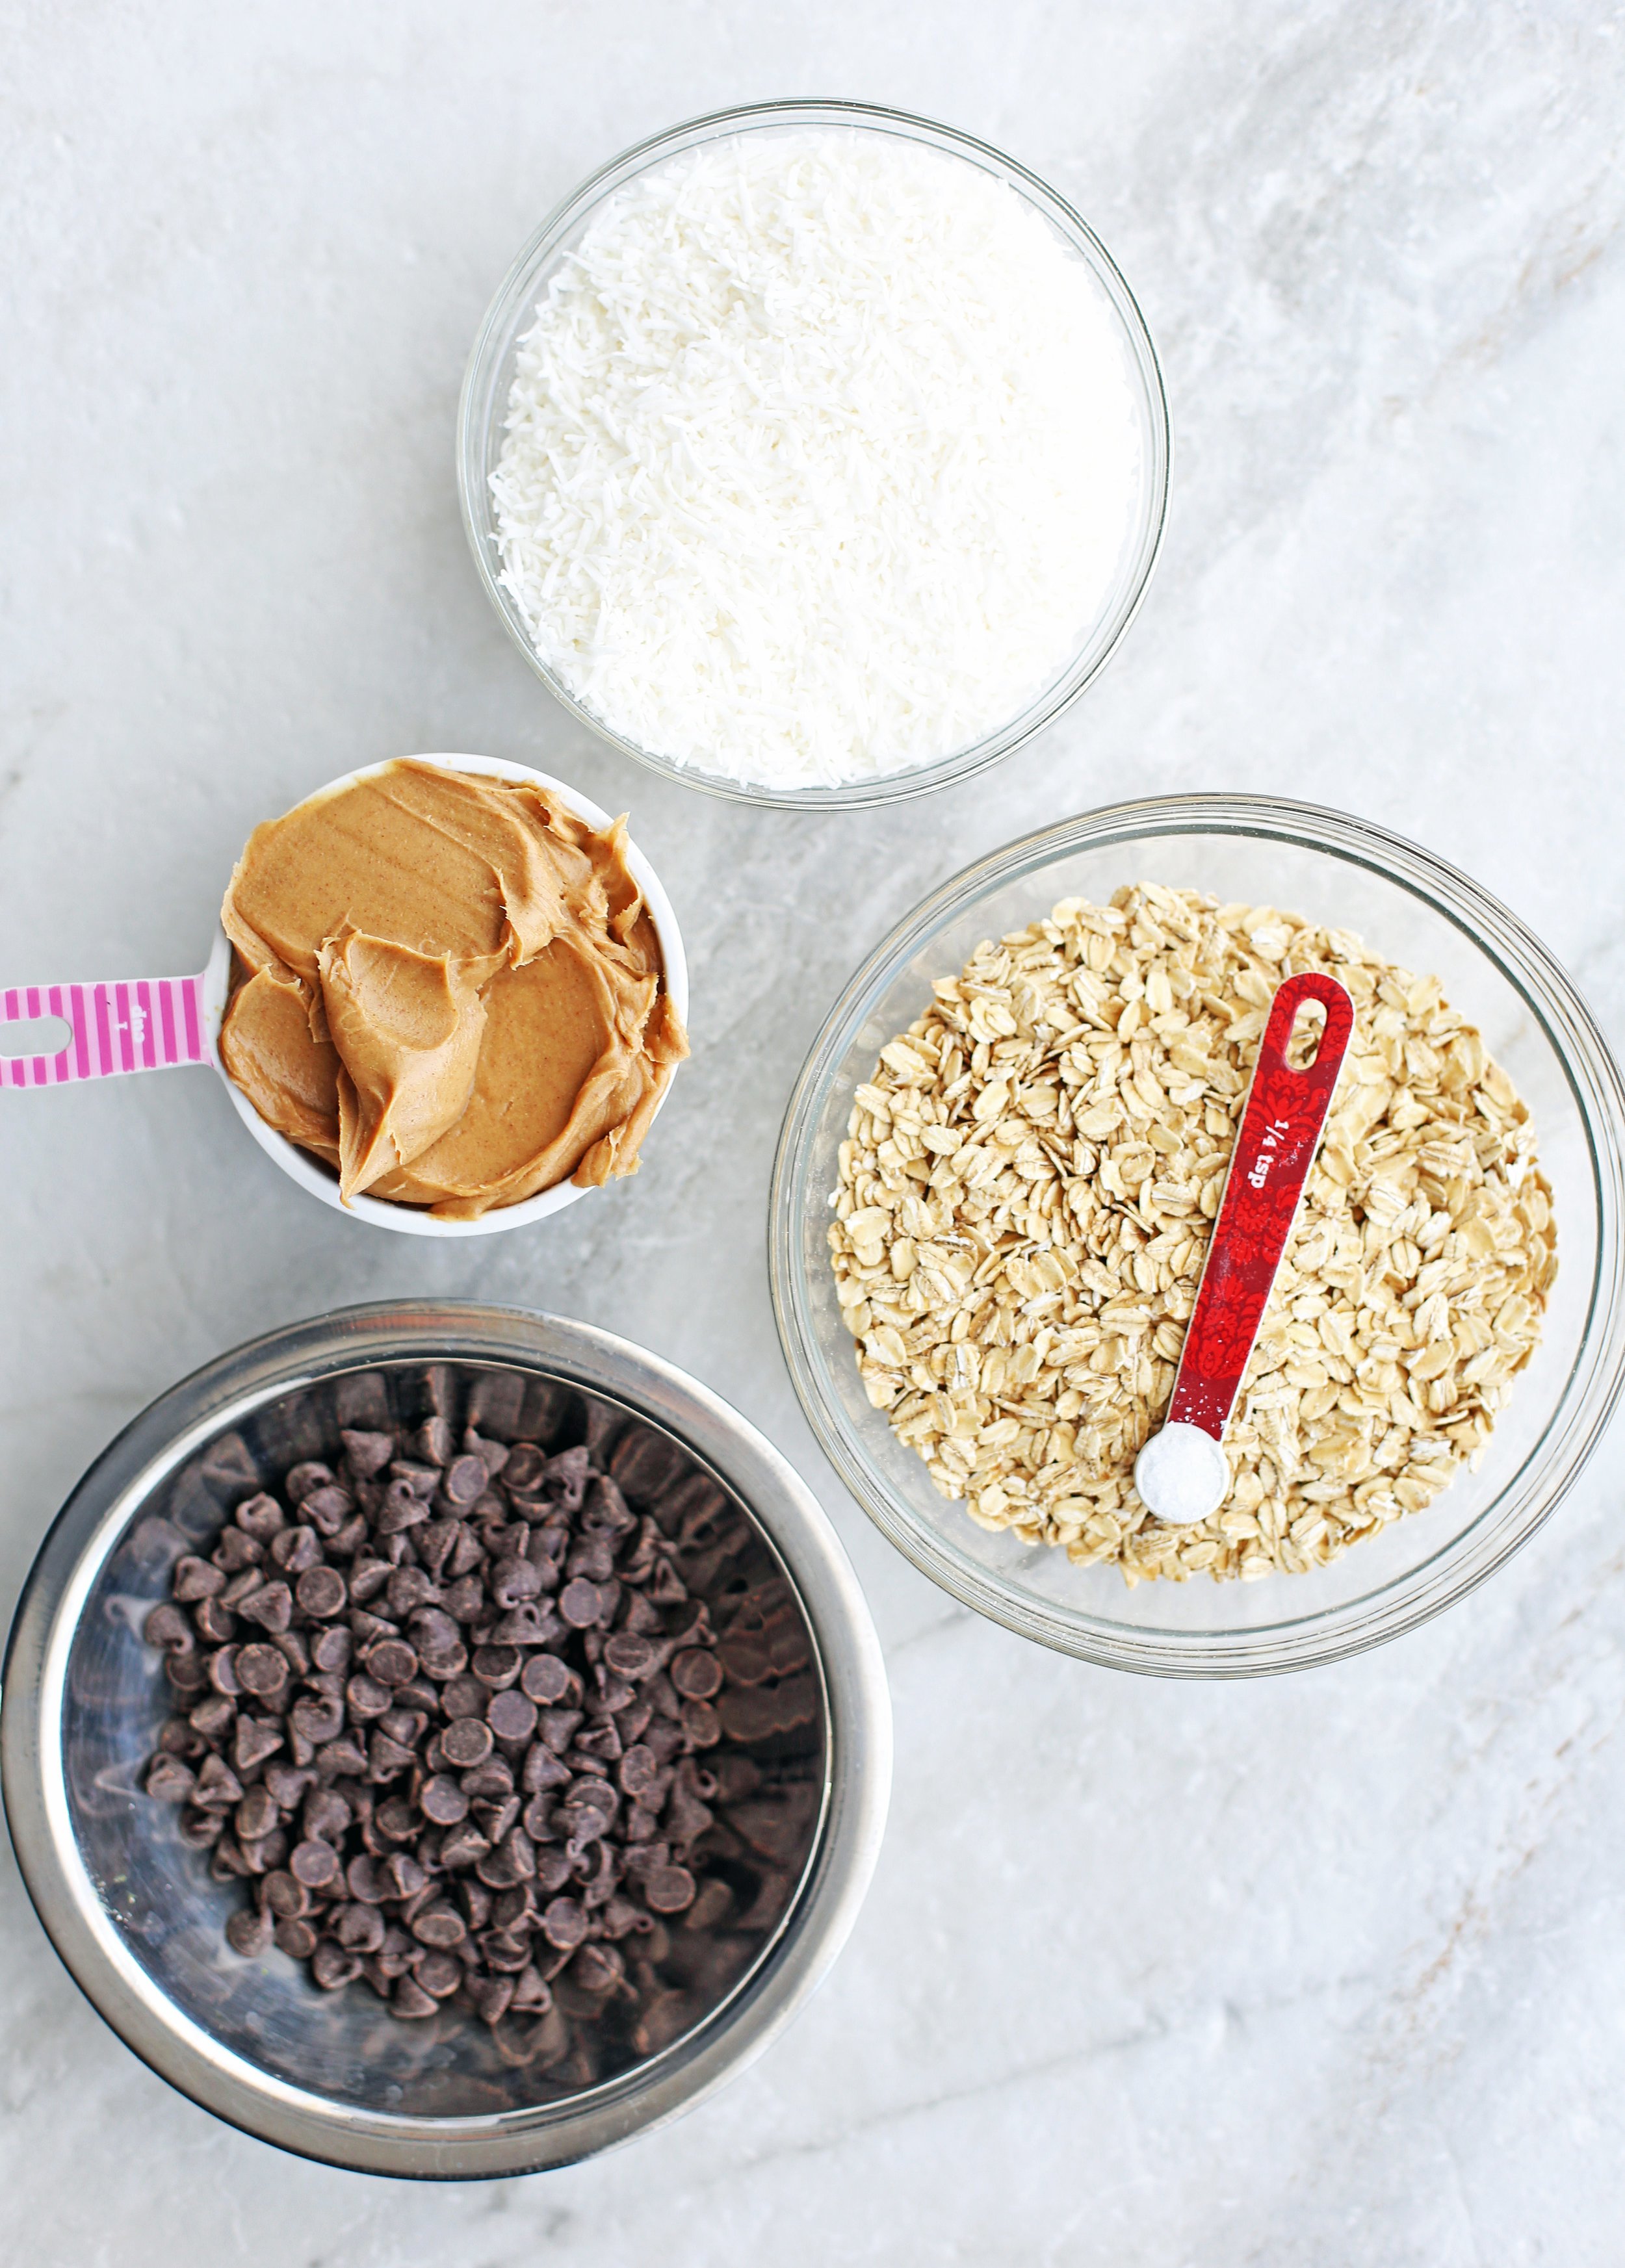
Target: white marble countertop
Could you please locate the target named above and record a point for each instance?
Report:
(1323, 1970)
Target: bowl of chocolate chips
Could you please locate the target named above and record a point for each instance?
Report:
(444, 1741)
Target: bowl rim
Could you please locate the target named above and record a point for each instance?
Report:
(381, 1212)
(1589, 1394)
(479, 411)
(87, 1530)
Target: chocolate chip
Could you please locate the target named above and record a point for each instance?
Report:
(392, 1663)
(433, 1442)
(295, 1550)
(260, 1517)
(491, 1996)
(365, 1698)
(464, 1480)
(507, 1951)
(443, 1802)
(579, 1604)
(325, 1816)
(362, 1929)
(466, 1741)
(296, 1939)
(631, 1656)
(401, 1876)
(195, 1579)
(464, 1846)
(235, 1552)
(438, 1975)
(256, 1738)
(283, 1897)
(322, 1592)
(185, 1672)
(668, 1890)
(597, 1969)
(332, 1966)
(542, 1770)
(167, 1626)
(316, 1718)
(368, 1453)
(545, 1678)
(170, 1780)
(523, 1471)
(527, 1624)
(557, 1725)
(464, 1696)
(697, 1674)
(564, 1924)
(497, 1666)
(341, 1759)
(639, 1769)
(287, 1784)
(513, 1581)
(492, 1779)
(271, 1606)
(364, 1881)
(258, 1669)
(330, 1650)
(435, 1635)
(327, 1510)
(410, 2001)
(212, 1719)
(313, 1864)
(212, 1622)
(256, 1814)
(304, 1480)
(512, 1716)
(440, 1924)
(396, 1818)
(513, 1860)
(248, 1931)
(219, 1788)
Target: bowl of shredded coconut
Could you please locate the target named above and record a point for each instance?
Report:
(813, 453)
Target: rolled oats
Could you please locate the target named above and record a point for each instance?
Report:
(1025, 1197)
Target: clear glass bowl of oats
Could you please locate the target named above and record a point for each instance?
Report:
(1434, 1383)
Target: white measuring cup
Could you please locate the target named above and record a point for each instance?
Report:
(162, 1023)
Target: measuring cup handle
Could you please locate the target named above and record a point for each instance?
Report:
(151, 1023)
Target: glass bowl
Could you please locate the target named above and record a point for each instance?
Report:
(1416, 910)
(137, 1917)
(490, 376)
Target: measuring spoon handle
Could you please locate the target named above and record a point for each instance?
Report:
(1286, 1110)
(148, 1023)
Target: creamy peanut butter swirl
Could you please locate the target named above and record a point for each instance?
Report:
(449, 988)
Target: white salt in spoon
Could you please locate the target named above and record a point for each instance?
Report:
(1182, 1474)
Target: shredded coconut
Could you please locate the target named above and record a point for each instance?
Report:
(819, 462)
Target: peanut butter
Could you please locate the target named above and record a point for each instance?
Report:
(449, 988)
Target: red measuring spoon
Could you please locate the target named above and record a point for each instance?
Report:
(1181, 1473)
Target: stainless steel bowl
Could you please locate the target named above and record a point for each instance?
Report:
(139, 1923)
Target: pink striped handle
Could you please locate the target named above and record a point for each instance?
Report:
(146, 1025)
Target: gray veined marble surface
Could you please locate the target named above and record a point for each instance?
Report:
(1304, 1973)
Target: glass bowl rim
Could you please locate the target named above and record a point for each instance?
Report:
(1590, 1390)
(479, 411)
